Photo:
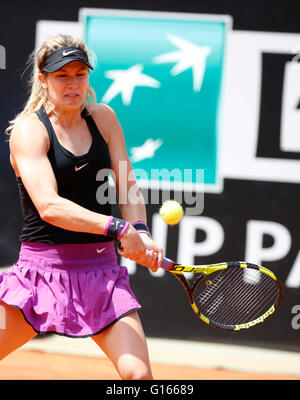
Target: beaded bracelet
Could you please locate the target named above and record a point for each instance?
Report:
(141, 227)
(115, 227)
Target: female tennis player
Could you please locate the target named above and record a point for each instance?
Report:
(67, 279)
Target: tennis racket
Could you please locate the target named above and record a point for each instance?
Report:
(231, 295)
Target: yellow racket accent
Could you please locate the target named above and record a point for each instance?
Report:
(204, 319)
(257, 320)
(195, 308)
(178, 269)
(268, 272)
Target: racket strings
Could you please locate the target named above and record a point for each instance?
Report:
(241, 296)
(257, 302)
(260, 292)
(211, 287)
(265, 295)
(222, 284)
(235, 295)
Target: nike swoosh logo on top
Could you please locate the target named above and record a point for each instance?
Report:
(100, 250)
(81, 166)
(66, 53)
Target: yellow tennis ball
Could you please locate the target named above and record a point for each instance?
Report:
(171, 212)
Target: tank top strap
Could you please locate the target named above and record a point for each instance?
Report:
(43, 116)
(92, 125)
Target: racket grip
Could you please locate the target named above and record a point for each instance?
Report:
(167, 263)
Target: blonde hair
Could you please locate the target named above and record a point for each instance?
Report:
(38, 97)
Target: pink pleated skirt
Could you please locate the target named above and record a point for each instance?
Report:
(76, 290)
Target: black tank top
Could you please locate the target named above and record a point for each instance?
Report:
(77, 181)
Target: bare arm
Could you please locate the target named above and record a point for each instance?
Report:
(28, 146)
(131, 201)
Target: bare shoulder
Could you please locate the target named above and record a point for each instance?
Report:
(101, 110)
(29, 132)
(104, 117)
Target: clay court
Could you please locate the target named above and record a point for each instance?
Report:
(59, 358)
(37, 365)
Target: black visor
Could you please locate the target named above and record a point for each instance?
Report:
(63, 56)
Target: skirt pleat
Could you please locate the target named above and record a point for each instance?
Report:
(59, 291)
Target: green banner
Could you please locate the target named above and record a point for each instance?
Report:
(162, 74)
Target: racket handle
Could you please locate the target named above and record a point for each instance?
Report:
(167, 263)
